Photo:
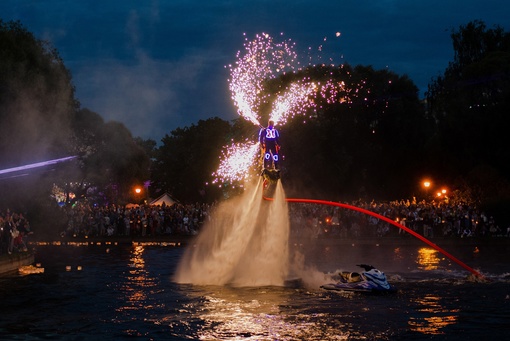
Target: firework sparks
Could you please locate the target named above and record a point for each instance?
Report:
(236, 161)
(295, 101)
(263, 60)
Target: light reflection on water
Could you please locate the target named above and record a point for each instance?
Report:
(428, 259)
(138, 282)
(137, 290)
(262, 314)
(432, 317)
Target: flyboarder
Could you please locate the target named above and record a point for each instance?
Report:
(269, 139)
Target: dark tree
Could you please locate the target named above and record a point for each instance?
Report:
(470, 105)
(365, 144)
(36, 107)
(36, 98)
(148, 145)
(188, 157)
(112, 162)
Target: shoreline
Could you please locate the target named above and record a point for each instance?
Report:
(11, 263)
(182, 240)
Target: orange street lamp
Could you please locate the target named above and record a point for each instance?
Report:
(444, 191)
(138, 190)
(426, 184)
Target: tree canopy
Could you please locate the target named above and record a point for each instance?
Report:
(470, 106)
(36, 98)
(188, 157)
(377, 139)
(112, 161)
(40, 120)
(365, 143)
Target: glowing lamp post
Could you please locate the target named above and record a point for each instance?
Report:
(426, 185)
(138, 192)
(443, 194)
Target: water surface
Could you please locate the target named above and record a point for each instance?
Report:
(126, 291)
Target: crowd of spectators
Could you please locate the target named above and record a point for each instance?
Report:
(14, 231)
(142, 220)
(430, 219)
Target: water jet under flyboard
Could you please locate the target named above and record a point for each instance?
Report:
(245, 243)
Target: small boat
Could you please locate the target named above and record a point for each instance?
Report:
(371, 280)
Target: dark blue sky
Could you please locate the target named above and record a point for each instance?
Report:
(159, 65)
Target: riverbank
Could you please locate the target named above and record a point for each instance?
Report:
(14, 261)
(177, 240)
(183, 240)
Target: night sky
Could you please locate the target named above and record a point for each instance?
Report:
(159, 65)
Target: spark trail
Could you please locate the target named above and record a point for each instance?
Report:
(262, 61)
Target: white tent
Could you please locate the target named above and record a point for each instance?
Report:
(165, 198)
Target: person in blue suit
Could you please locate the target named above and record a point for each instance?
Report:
(269, 139)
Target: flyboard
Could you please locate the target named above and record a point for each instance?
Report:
(271, 174)
(271, 177)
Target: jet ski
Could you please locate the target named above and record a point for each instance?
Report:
(371, 280)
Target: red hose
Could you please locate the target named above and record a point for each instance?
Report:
(378, 216)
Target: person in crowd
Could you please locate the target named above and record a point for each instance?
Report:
(11, 231)
(4, 238)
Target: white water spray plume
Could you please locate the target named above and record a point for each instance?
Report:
(236, 161)
(244, 244)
